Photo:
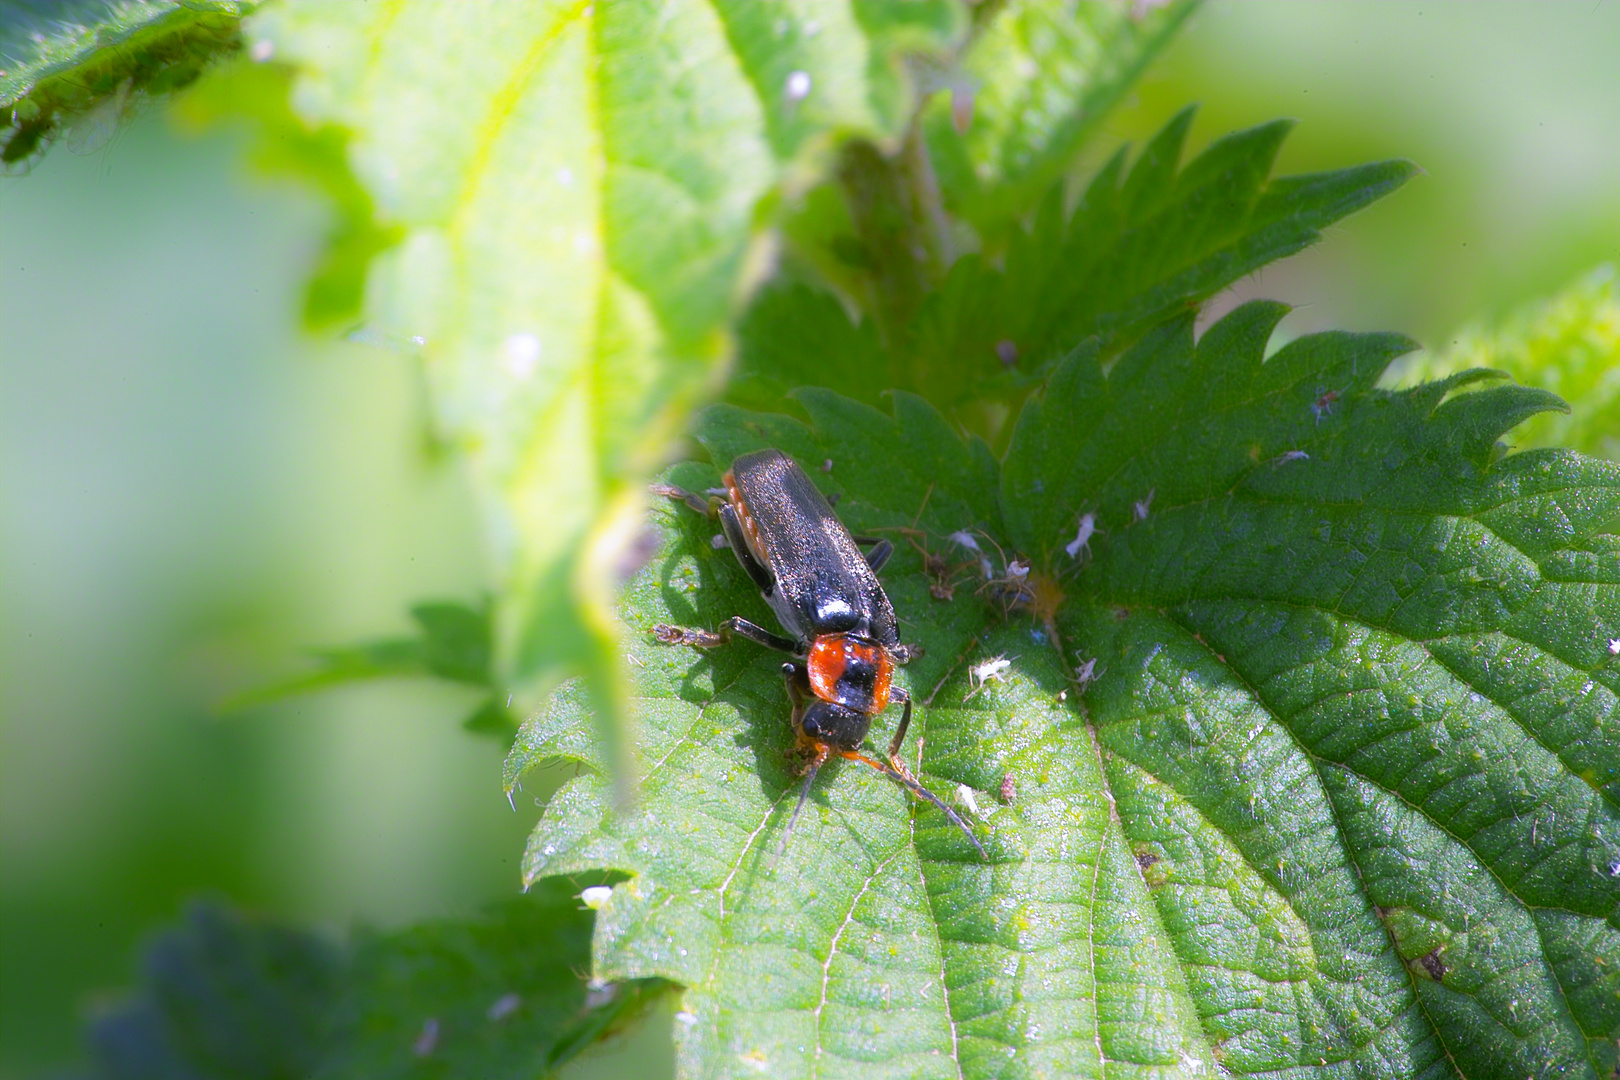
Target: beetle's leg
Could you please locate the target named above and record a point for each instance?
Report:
(798, 683)
(823, 752)
(738, 540)
(697, 502)
(760, 636)
(904, 698)
(879, 555)
(709, 639)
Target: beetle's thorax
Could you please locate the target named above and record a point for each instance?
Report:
(850, 670)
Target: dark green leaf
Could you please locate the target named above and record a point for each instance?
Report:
(1313, 760)
(1139, 246)
(1569, 345)
(501, 996)
(87, 64)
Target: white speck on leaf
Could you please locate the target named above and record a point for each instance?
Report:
(963, 538)
(565, 176)
(1082, 538)
(428, 1039)
(595, 896)
(797, 87)
(263, 50)
(502, 1007)
(1614, 646)
(1144, 505)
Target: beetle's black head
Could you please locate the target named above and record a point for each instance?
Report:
(843, 729)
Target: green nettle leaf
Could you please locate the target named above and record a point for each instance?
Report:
(1306, 762)
(1139, 246)
(1570, 345)
(1036, 80)
(576, 187)
(88, 66)
(227, 997)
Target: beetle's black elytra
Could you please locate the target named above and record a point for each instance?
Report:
(842, 631)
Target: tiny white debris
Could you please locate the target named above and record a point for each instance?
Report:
(965, 798)
(584, 242)
(1017, 570)
(503, 1006)
(985, 568)
(1086, 673)
(599, 992)
(1614, 646)
(418, 340)
(263, 50)
(963, 539)
(595, 896)
(989, 671)
(522, 354)
(565, 176)
(718, 541)
(1082, 538)
(1291, 455)
(1143, 505)
(687, 1018)
(428, 1039)
(797, 87)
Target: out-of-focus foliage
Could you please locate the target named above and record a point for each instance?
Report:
(224, 997)
(1570, 345)
(86, 65)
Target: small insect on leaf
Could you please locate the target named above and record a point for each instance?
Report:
(1082, 537)
(843, 636)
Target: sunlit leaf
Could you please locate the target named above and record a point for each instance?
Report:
(576, 187)
(1311, 758)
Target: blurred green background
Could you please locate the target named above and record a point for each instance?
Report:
(194, 491)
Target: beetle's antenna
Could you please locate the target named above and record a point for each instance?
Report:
(921, 792)
(804, 795)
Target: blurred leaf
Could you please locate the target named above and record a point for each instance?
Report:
(86, 64)
(1341, 796)
(576, 186)
(285, 146)
(1569, 345)
(1036, 81)
(223, 996)
(500, 997)
(454, 644)
(228, 997)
